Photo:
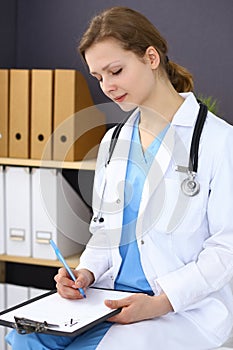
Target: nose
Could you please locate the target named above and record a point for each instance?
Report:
(108, 86)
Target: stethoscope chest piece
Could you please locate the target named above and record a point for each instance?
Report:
(190, 186)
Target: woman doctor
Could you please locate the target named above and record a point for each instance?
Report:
(175, 250)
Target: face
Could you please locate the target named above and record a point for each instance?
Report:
(125, 78)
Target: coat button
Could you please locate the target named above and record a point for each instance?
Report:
(142, 241)
(118, 201)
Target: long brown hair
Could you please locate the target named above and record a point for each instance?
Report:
(135, 33)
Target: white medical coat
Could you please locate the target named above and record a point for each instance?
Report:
(185, 243)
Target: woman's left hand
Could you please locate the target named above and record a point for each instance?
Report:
(138, 307)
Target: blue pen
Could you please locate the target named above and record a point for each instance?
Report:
(62, 260)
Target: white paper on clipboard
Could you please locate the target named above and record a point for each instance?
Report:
(72, 317)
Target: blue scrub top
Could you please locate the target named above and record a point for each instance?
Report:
(131, 276)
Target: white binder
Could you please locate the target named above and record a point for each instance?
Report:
(58, 213)
(2, 307)
(15, 295)
(18, 227)
(2, 297)
(36, 292)
(2, 212)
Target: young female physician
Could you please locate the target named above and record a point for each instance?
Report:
(153, 232)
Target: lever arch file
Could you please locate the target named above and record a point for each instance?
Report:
(19, 113)
(2, 307)
(78, 128)
(4, 111)
(41, 113)
(14, 295)
(18, 207)
(2, 212)
(58, 213)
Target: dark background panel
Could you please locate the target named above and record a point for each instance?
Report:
(44, 34)
(8, 25)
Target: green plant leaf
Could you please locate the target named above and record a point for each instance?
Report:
(210, 102)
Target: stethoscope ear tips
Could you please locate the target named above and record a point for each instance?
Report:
(100, 219)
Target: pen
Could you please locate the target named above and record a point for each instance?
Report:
(62, 260)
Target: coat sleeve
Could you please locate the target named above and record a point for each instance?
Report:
(214, 266)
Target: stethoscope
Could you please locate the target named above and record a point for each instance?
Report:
(189, 186)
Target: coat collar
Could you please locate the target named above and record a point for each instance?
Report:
(185, 116)
(188, 111)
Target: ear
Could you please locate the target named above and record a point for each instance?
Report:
(152, 56)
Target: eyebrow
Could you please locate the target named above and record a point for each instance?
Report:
(107, 66)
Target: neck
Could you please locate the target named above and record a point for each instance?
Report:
(162, 105)
(160, 109)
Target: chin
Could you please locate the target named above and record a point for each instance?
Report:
(127, 106)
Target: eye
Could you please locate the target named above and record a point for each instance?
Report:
(117, 72)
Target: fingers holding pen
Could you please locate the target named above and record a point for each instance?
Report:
(84, 278)
(65, 285)
(68, 288)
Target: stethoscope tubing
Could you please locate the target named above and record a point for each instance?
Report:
(193, 157)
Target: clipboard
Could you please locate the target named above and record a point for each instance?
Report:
(52, 314)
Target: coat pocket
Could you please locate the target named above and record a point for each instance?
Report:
(181, 213)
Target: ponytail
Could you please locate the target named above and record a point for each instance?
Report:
(179, 76)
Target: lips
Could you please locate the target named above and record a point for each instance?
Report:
(120, 98)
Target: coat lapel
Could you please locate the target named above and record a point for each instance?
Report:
(156, 174)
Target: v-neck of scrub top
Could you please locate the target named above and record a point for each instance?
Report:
(131, 276)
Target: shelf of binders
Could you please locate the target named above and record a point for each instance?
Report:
(55, 193)
(88, 164)
(72, 261)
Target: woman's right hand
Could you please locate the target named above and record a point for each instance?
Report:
(67, 288)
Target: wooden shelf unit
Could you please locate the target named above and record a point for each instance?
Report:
(88, 164)
(71, 260)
